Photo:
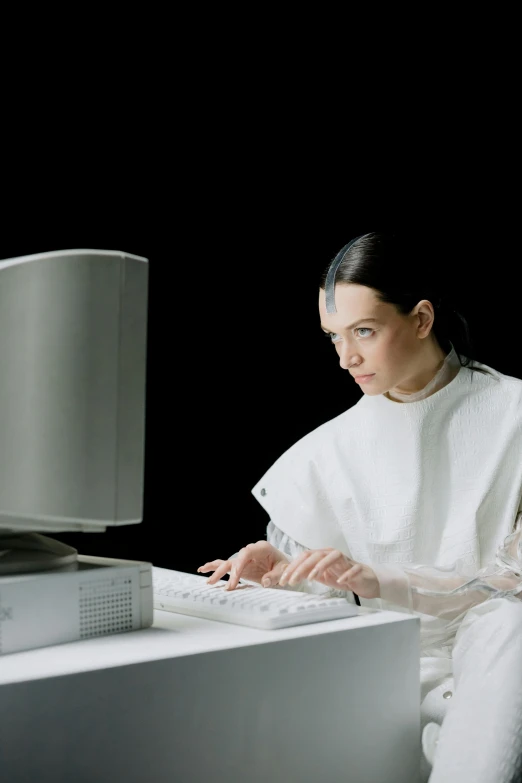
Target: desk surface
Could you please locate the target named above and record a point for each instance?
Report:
(171, 635)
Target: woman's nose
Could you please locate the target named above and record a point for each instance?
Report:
(347, 358)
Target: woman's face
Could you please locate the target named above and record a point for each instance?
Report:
(382, 349)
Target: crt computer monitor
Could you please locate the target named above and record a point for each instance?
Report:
(73, 333)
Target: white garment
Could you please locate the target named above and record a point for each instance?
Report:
(433, 484)
(427, 493)
(480, 740)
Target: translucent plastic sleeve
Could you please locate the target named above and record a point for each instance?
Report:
(448, 592)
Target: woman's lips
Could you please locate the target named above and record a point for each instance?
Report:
(363, 378)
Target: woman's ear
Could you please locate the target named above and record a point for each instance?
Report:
(425, 315)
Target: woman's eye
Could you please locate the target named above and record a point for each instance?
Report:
(361, 332)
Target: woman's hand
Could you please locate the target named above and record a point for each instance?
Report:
(260, 562)
(333, 569)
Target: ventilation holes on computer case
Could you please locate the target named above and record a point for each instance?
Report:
(105, 607)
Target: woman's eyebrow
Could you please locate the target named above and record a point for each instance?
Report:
(352, 326)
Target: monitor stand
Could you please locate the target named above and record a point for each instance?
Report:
(24, 553)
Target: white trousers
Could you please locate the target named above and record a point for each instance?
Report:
(480, 739)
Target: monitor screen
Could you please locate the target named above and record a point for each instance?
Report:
(73, 333)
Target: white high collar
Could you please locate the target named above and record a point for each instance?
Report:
(441, 378)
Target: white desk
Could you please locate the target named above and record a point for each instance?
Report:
(191, 700)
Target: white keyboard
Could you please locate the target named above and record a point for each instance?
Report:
(257, 607)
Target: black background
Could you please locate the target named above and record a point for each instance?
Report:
(238, 368)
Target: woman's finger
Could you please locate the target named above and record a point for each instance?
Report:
(352, 572)
(273, 577)
(238, 564)
(291, 567)
(210, 566)
(301, 570)
(219, 571)
(326, 562)
(237, 568)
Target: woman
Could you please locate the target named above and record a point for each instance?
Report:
(412, 500)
